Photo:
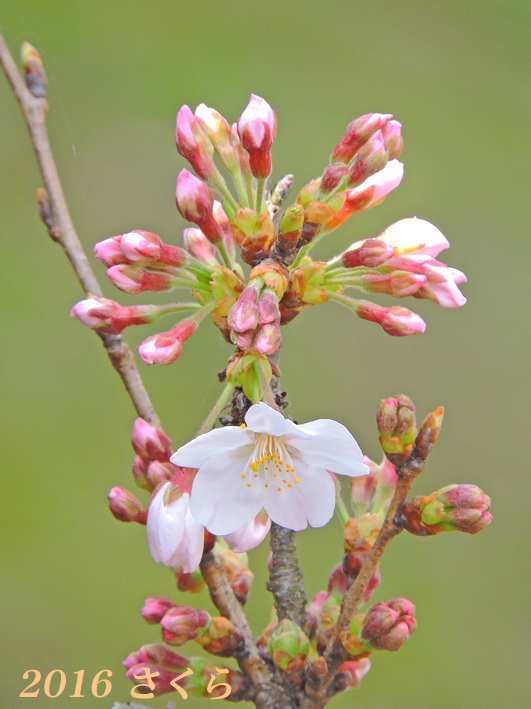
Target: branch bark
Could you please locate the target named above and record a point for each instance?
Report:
(270, 692)
(62, 230)
(285, 580)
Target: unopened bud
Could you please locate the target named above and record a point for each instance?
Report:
(358, 133)
(350, 674)
(332, 177)
(244, 314)
(36, 79)
(288, 645)
(193, 144)
(150, 442)
(221, 638)
(126, 507)
(239, 576)
(162, 656)
(397, 431)
(257, 128)
(183, 623)
(219, 132)
(195, 202)
(143, 248)
(160, 472)
(388, 626)
(155, 608)
(109, 251)
(166, 347)
(370, 193)
(268, 338)
(196, 243)
(396, 321)
(462, 508)
(392, 133)
(371, 253)
(371, 158)
(193, 583)
(135, 279)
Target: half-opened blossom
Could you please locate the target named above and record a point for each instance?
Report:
(271, 463)
(411, 236)
(174, 537)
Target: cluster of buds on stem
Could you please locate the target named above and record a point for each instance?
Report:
(388, 626)
(461, 508)
(397, 428)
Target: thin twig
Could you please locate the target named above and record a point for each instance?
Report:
(407, 472)
(62, 230)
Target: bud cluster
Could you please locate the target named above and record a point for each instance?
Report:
(461, 508)
(153, 450)
(161, 663)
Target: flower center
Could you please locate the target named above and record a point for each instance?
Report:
(270, 464)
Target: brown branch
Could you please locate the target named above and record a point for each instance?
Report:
(61, 229)
(270, 692)
(407, 472)
(285, 580)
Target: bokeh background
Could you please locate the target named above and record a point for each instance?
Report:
(456, 74)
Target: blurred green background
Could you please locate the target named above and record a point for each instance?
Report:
(456, 74)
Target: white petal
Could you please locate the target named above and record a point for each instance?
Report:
(332, 448)
(221, 500)
(311, 500)
(220, 440)
(248, 537)
(165, 526)
(195, 536)
(261, 418)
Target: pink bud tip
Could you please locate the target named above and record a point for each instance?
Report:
(126, 507)
(110, 252)
(149, 442)
(155, 607)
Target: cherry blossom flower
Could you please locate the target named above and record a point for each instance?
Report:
(270, 463)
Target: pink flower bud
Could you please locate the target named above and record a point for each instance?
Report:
(162, 656)
(369, 193)
(358, 133)
(162, 682)
(268, 338)
(242, 339)
(143, 248)
(166, 347)
(195, 202)
(370, 253)
(244, 314)
(193, 144)
(130, 660)
(110, 252)
(155, 608)
(337, 582)
(149, 442)
(126, 507)
(441, 281)
(184, 623)
(196, 243)
(396, 321)
(107, 316)
(388, 626)
(399, 284)
(224, 224)
(257, 128)
(268, 307)
(140, 467)
(372, 158)
(392, 134)
(219, 132)
(332, 177)
(243, 155)
(135, 279)
(356, 671)
(158, 473)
